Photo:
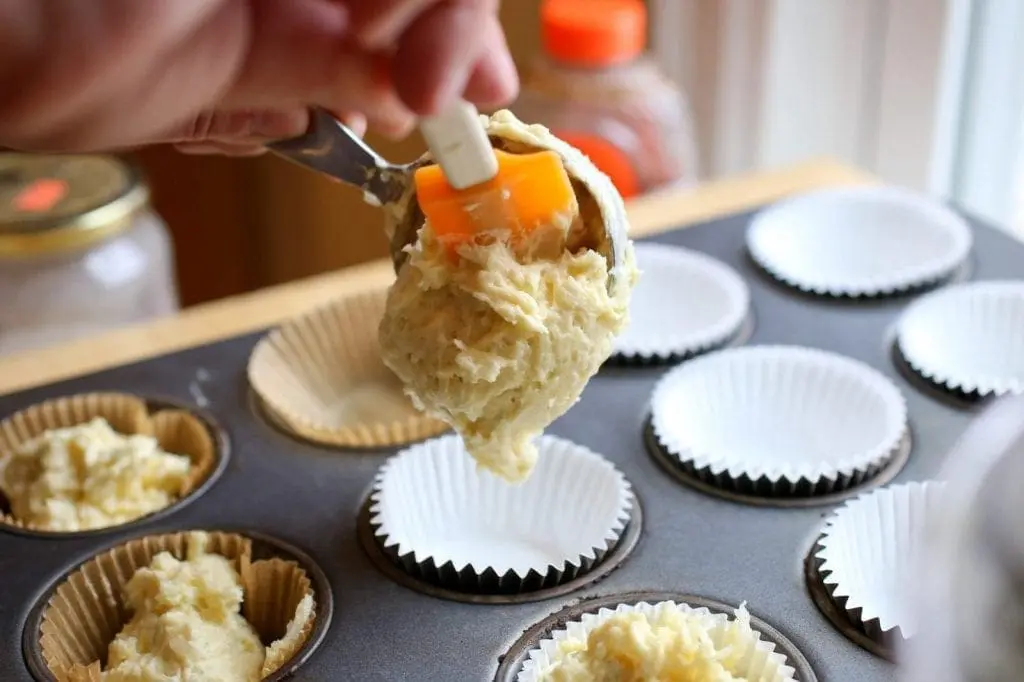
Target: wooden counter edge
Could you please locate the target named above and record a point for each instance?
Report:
(249, 312)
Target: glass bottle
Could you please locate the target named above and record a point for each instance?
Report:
(595, 87)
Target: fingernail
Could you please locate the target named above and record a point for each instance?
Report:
(394, 129)
(195, 149)
(392, 119)
(356, 123)
(214, 149)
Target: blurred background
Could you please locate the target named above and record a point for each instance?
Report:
(923, 93)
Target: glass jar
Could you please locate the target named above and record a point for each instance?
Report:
(595, 88)
(81, 251)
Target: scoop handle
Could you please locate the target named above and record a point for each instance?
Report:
(331, 148)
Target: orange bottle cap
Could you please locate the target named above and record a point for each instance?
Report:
(593, 33)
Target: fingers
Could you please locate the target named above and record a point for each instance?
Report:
(494, 81)
(378, 24)
(439, 51)
(237, 133)
(158, 64)
(390, 59)
(247, 133)
(250, 56)
(307, 57)
(241, 125)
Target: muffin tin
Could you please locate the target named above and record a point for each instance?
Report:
(384, 629)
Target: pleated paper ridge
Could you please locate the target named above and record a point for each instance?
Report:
(870, 553)
(854, 417)
(686, 274)
(943, 334)
(87, 609)
(781, 231)
(574, 498)
(177, 431)
(322, 377)
(761, 663)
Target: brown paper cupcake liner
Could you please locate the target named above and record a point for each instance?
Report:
(321, 377)
(87, 610)
(177, 431)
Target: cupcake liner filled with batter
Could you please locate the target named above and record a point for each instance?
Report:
(868, 559)
(684, 303)
(88, 628)
(446, 521)
(668, 640)
(859, 241)
(967, 338)
(778, 421)
(99, 460)
(322, 378)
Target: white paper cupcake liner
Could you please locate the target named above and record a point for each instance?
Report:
(973, 557)
(967, 338)
(778, 420)
(761, 662)
(869, 556)
(447, 522)
(859, 241)
(684, 303)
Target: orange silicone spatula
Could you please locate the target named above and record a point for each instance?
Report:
(475, 188)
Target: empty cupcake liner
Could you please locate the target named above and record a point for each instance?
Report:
(869, 557)
(322, 378)
(447, 522)
(177, 431)
(778, 420)
(859, 241)
(973, 558)
(87, 609)
(757, 658)
(968, 338)
(685, 303)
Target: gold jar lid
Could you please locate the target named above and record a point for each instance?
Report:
(51, 203)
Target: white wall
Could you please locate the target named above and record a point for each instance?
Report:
(775, 81)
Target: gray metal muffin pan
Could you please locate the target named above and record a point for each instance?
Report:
(692, 542)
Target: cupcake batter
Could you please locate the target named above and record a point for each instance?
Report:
(669, 645)
(186, 623)
(501, 340)
(89, 476)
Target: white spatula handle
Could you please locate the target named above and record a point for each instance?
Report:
(460, 146)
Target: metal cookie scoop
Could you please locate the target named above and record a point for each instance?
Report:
(456, 142)
(331, 148)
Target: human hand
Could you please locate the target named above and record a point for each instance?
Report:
(229, 75)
